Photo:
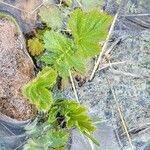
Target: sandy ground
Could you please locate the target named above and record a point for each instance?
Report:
(16, 69)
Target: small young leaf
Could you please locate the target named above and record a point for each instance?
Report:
(37, 91)
(45, 97)
(58, 138)
(35, 46)
(51, 15)
(53, 115)
(55, 42)
(74, 118)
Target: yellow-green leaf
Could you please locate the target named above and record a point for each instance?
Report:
(38, 91)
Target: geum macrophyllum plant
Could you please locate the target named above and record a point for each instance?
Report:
(65, 54)
(62, 55)
(63, 115)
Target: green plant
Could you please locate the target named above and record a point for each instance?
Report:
(38, 90)
(54, 134)
(88, 30)
(61, 54)
(74, 115)
(65, 54)
(45, 137)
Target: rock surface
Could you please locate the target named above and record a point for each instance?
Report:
(130, 80)
(105, 136)
(16, 69)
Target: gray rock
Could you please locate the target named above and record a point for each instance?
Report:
(130, 81)
(105, 136)
(147, 147)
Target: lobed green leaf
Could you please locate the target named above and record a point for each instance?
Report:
(38, 90)
(88, 30)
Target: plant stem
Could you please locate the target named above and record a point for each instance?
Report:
(73, 86)
(103, 48)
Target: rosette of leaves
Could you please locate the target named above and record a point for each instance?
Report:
(74, 115)
(65, 54)
(38, 91)
(63, 114)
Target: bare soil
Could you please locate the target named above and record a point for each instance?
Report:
(16, 69)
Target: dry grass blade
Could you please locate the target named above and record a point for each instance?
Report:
(131, 74)
(138, 129)
(108, 65)
(76, 95)
(120, 112)
(121, 115)
(29, 12)
(79, 3)
(37, 8)
(104, 47)
(73, 86)
(14, 7)
(136, 15)
(112, 47)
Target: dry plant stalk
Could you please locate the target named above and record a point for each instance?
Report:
(121, 115)
(76, 96)
(104, 47)
(73, 86)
